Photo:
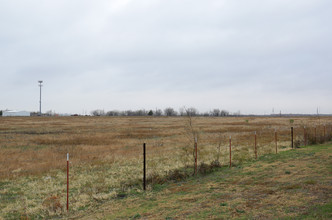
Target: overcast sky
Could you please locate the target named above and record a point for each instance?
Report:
(239, 55)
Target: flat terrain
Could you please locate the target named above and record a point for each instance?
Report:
(296, 184)
(33, 145)
(106, 155)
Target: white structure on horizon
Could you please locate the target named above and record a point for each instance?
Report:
(15, 113)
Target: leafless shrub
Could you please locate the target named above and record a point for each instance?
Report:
(170, 112)
(53, 204)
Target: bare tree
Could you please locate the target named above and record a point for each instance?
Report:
(182, 111)
(191, 112)
(192, 134)
(224, 113)
(238, 113)
(141, 112)
(113, 113)
(215, 112)
(158, 112)
(205, 114)
(170, 112)
(98, 112)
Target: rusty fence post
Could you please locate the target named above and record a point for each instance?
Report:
(276, 139)
(230, 151)
(195, 171)
(304, 136)
(324, 133)
(67, 182)
(144, 167)
(315, 134)
(255, 145)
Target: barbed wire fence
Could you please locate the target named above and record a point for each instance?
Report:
(79, 185)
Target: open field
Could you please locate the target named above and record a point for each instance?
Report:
(294, 184)
(106, 154)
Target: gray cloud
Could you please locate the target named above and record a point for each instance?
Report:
(248, 56)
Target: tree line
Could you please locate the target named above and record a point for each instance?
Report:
(166, 112)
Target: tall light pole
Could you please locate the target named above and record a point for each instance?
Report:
(40, 85)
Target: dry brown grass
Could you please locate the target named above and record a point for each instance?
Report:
(35, 145)
(259, 190)
(106, 154)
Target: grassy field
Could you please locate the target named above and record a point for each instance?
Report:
(106, 155)
(295, 184)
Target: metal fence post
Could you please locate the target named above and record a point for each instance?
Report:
(67, 182)
(304, 136)
(144, 167)
(195, 156)
(276, 139)
(230, 151)
(292, 136)
(255, 146)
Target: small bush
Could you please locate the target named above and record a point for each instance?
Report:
(312, 140)
(204, 168)
(155, 178)
(297, 143)
(177, 175)
(121, 195)
(240, 157)
(136, 216)
(53, 204)
(215, 164)
(329, 137)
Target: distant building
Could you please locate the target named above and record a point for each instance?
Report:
(15, 113)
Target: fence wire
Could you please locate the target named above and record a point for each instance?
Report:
(106, 156)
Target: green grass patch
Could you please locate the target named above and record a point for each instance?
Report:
(221, 194)
(136, 216)
(242, 191)
(292, 186)
(223, 204)
(310, 182)
(318, 212)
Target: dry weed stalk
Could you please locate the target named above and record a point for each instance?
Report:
(192, 134)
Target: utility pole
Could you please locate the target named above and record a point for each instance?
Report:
(317, 112)
(40, 86)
